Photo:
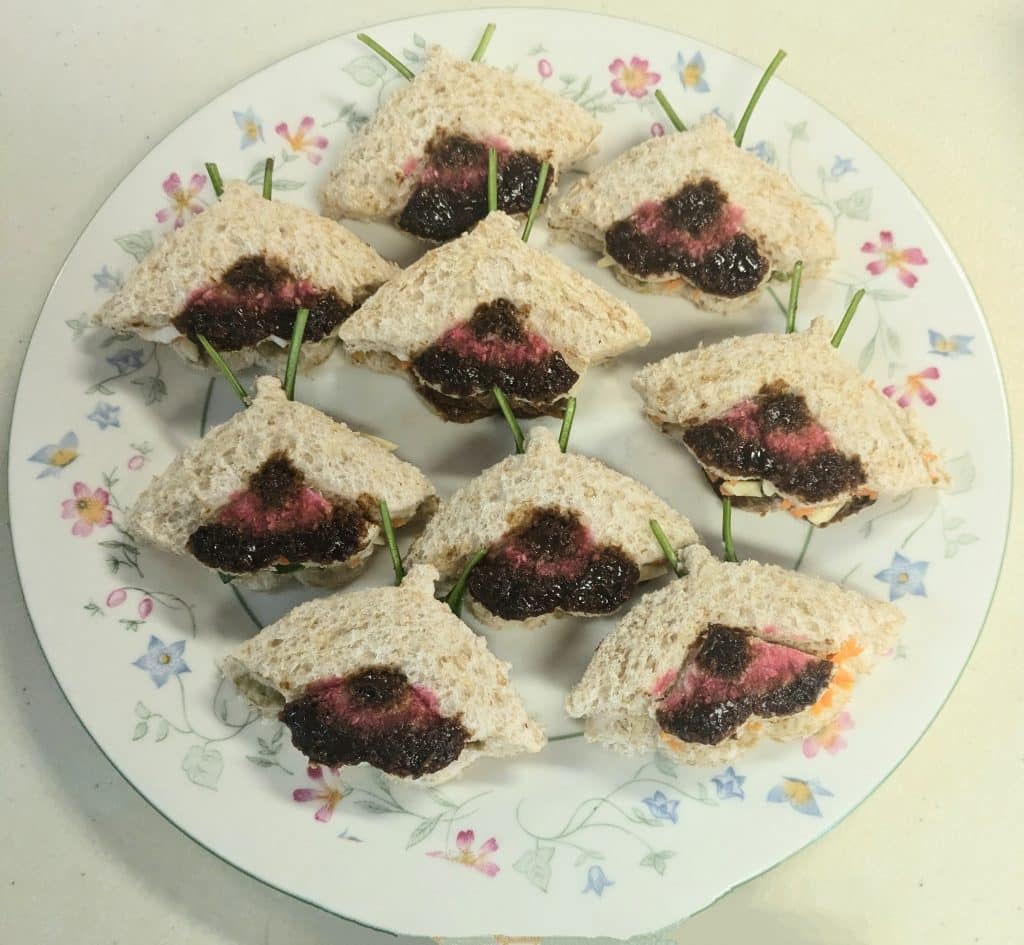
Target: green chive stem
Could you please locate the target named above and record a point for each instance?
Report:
(268, 179)
(538, 196)
(392, 543)
(294, 347)
(730, 551)
(216, 181)
(851, 310)
(510, 418)
(400, 67)
(458, 592)
(794, 297)
(485, 41)
(229, 375)
(741, 128)
(492, 180)
(666, 548)
(566, 430)
(669, 110)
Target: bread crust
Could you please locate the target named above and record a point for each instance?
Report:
(692, 387)
(443, 288)
(786, 227)
(402, 626)
(615, 508)
(462, 97)
(241, 224)
(335, 460)
(615, 697)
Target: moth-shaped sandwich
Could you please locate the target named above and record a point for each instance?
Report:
(279, 490)
(388, 677)
(783, 421)
(488, 310)
(693, 214)
(563, 533)
(421, 161)
(238, 273)
(727, 655)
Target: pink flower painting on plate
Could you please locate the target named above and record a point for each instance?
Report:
(302, 140)
(479, 859)
(634, 78)
(914, 388)
(891, 257)
(89, 508)
(182, 202)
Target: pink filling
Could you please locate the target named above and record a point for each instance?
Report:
(419, 705)
(772, 665)
(792, 445)
(743, 419)
(799, 445)
(246, 512)
(664, 683)
(569, 567)
(493, 350)
(650, 219)
(288, 293)
(454, 178)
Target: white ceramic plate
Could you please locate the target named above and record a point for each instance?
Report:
(575, 841)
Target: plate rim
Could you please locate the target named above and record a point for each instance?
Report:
(1006, 426)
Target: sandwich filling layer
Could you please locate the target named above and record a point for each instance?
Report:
(279, 520)
(451, 189)
(552, 562)
(458, 372)
(771, 443)
(256, 299)
(730, 675)
(695, 234)
(375, 716)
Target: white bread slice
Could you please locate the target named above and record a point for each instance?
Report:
(615, 508)
(391, 626)
(787, 228)
(615, 697)
(461, 97)
(691, 387)
(336, 461)
(441, 289)
(241, 224)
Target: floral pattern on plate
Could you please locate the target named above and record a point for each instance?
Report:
(576, 840)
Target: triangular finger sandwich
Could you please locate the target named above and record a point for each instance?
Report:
(388, 677)
(564, 534)
(727, 655)
(279, 490)
(784, 421)
(693, 214)
(237, 274)
(421, 160)
(486, 310)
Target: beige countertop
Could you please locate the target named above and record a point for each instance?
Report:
(86, 89)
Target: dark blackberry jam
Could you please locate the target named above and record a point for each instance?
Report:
(458, 372)
(374, 716)
(277, 520)
(773, 436)
(451, 194)
(255, 299)
(730, 675)
(551, 562)
(694, 234)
